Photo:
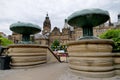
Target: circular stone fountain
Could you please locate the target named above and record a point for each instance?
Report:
(26, 54)
(90, 56)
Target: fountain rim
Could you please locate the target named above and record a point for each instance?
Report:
(26, 46)
(91, 41)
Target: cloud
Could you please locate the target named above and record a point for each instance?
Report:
(34, 11)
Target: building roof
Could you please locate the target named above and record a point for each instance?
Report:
(66, 24)
(40, 36)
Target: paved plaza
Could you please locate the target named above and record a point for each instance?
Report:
(54, 71)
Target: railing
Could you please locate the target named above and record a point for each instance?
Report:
(57, 57)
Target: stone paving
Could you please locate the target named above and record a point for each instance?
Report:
(70, 76)
(54, 71)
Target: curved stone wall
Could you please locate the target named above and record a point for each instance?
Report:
(91, 58)
(26, 55)
(117, 62)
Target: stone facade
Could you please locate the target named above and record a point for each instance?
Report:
(41, 39)
(15, 37)
(2, 34)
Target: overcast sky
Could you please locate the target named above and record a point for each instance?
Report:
(34, 11)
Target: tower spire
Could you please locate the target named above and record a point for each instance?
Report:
(47, 17)
(46, 25)
(47, 14)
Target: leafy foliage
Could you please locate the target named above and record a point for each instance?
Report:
(56, 43)
(56, 46)
(113, 34)
(5, 41)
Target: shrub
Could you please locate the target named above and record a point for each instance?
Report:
(113, 34)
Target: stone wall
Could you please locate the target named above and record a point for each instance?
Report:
(27, 55)
(91, 58)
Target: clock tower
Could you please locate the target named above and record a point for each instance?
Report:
(46, 25)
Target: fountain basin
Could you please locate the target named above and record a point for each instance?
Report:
(117, 62)
(91, 58)
(26, 55)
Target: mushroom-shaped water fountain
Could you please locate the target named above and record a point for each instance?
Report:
(90, 56)
(26, 29)
(87, 19)
(26, 54)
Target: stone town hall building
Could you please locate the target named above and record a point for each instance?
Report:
(48, 36)
(68, 33)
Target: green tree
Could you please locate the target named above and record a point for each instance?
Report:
(113, 34)
(5, 41)
(55, 45)
(64, 47)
